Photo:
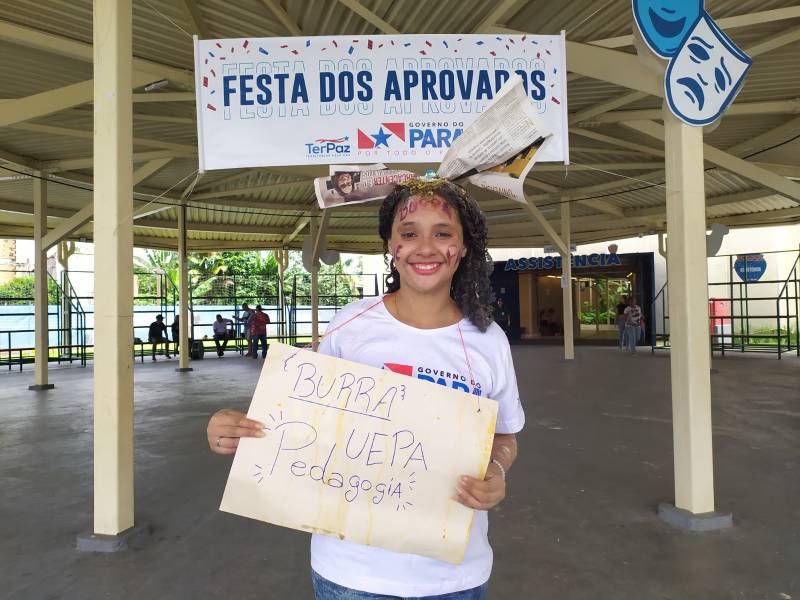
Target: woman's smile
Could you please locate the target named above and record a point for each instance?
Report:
(426, 268)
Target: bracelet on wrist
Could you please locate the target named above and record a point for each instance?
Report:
(501, 467)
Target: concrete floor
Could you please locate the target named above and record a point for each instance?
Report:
(579, 522)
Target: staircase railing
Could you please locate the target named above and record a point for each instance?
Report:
(659, 339)
(789, 294)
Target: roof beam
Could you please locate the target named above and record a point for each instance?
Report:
(369, 16)
(751, 108)
(606, 106)
(555, 191)
(257, 229)
(149, 168)
(163, 97)
(619, 166)
(661, 211)
(20, 161)
(283, 17)
(554, 238)
(45, 103)
(22, 208)
(299, 225)
(321, 234)
(773, 43)
(68, 226)
(63, 46)
(726, 23)
(616, 141)
(767, 138)
(259, 189)
(736, 165)
(88, 135)
(790, 171)
(87, 162)
(256, 204)
(770, 217)
(619, 68)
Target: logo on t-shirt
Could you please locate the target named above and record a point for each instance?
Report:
(457, 381)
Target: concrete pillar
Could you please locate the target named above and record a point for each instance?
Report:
(41, 343)
(183, 294)
(314, 291)
(688, 311)
(282, 258)
(65, 250)
(113, 284)
(566, 285)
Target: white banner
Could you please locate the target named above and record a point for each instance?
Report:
(360, 99)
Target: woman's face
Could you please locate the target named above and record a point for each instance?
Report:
(427, 243)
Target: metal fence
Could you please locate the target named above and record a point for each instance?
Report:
(747, 312)
(71, 310)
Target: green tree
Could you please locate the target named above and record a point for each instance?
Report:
(238, 277)
(335, 286)
(20, 290)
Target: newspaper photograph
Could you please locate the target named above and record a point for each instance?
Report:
(508, 126)
(508, 178)
(353, 187)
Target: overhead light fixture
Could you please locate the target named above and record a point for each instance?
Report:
(156, 85)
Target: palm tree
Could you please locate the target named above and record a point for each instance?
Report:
(157, 263)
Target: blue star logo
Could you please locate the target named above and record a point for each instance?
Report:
(381, 138)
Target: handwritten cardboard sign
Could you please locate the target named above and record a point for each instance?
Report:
(366, 455)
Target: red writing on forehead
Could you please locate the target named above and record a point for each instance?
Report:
(412, 204)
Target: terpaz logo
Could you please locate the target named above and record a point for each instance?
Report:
(328, 146)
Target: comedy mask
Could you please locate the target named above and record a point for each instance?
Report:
(665, 23)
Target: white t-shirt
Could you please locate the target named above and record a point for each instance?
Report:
(633, 315)
(376, 338)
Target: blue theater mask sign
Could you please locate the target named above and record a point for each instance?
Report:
(750, 267)
(705, 75)
(664, 24)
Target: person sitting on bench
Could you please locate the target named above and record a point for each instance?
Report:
(157, 334)
(221, 333)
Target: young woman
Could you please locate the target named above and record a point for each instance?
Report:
(438, 314)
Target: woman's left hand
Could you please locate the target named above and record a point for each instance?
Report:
(482, 495)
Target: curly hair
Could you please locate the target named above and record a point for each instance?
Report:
(470, 288)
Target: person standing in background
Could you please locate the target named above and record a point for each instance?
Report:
(633, 316)
(501, 316)
(176, 330)
(258, 331)
(245, 322)
(157, 334)
(623, 304)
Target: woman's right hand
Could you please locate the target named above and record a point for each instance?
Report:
(227, 426)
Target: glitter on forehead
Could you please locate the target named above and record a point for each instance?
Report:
(422, 187)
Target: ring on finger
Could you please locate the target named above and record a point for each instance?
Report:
(219, 437)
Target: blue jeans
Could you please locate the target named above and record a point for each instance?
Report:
(631, 337)
(621, 330)
(325, 589)
(255, 339)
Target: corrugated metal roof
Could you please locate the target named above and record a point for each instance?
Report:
(259, 206)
